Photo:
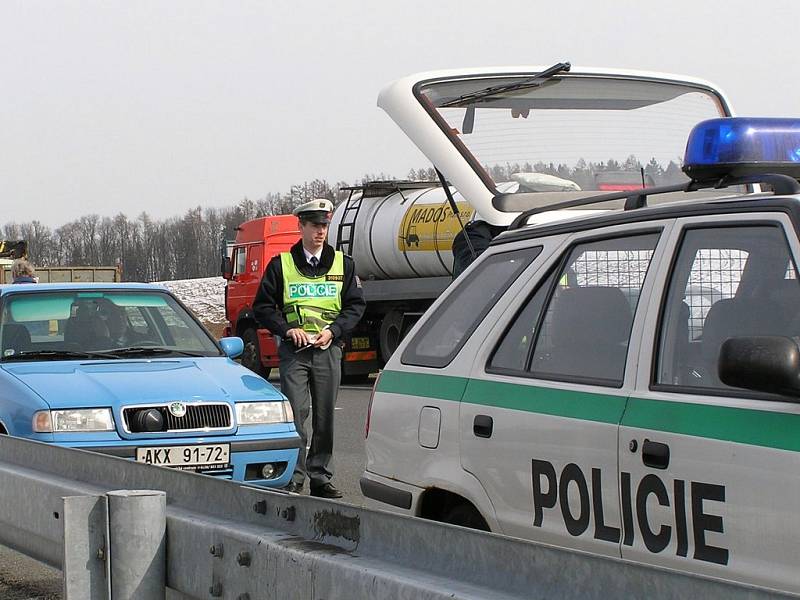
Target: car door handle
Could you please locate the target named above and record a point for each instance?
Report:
(482, 426)
(655, 454)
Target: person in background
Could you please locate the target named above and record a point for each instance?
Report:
(119, 332)
(471, 242)
(310, 298)
(23, 272)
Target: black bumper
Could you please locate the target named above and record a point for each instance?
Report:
(385, 493)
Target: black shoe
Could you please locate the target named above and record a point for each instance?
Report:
(293, 488)
(326, 490)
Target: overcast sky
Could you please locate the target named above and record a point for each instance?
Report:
(130, 106)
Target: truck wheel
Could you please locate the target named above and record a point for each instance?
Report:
(389, 337)
(465, 515)
(353, 379)
(251, 356)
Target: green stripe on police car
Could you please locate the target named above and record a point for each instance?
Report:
(754, 427)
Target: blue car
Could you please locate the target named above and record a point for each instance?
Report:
(125, 369)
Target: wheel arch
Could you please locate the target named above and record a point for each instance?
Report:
(436, 503)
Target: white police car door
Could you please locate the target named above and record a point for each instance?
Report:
(709, 473)
(539, 423)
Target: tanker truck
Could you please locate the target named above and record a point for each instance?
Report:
(506, 141)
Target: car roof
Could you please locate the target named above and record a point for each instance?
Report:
(743, 203)
(56, 287)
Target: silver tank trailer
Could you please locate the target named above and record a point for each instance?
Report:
(400, 233)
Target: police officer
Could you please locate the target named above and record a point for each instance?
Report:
(310, 298)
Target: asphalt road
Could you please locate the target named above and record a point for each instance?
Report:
(22, 578)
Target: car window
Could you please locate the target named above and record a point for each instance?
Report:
(465, 306)
(726, 282)
(513, 351)
(585, 330)
(91, 321)
(240, 261)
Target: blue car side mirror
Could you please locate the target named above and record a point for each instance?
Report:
(232, 346)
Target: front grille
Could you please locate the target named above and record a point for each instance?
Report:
(197, 417)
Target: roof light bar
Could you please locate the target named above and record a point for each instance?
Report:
(735, 147)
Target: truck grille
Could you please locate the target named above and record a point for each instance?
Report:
(197, 417)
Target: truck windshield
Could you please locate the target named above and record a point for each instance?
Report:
(60, 325)
(573, 132)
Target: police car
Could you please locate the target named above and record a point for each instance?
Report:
(573, 387)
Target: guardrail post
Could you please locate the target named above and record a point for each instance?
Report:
(84, 563)
(137, 522)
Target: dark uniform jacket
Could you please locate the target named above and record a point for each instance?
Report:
(480, 234)
(268, 305)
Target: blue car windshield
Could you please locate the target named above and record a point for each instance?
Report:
(64, 324)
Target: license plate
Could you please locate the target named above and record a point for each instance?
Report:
(186, 457)
(359, 343)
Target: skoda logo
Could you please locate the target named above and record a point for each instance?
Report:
(177, 409)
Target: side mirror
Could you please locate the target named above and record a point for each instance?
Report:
(761, 363)
(232, 346)
(227, 268)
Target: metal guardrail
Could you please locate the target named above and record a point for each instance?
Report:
(206, 538)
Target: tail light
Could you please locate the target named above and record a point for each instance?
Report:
(369, 407)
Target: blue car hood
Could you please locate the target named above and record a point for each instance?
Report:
(122, 382)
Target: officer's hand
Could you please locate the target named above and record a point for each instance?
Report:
(298, 337)
(323, 338)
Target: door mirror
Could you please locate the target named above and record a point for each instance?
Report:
(761, 363)
(227, 267)
(232, 346)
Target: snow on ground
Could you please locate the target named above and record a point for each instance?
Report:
(205, 297)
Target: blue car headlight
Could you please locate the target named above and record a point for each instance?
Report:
(263, 413)
(73, 420)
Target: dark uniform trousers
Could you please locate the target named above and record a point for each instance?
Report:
(303, 374)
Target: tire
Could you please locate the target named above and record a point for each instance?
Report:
(465, 515)
(251, 356)
(389, 337)
(360, 378)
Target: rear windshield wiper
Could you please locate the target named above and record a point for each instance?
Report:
(56, 355)
(493, 90)
(149, 351)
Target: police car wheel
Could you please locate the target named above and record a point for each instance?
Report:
(465, 515)
(251, 355)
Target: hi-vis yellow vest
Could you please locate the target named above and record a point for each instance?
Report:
(312, 303)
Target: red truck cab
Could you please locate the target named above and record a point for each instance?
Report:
(257, 241)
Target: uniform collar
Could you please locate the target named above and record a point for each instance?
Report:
(308, 255)
(301, 262)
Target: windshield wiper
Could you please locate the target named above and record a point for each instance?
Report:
(56, 355)
(493, 90)
(149, 351)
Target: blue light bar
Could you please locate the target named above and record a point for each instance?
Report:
(743, 146)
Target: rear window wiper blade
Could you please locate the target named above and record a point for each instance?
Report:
(493, 90)
(56, 355)
(150, 351)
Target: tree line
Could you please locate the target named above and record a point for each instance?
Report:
(190, 246)
(148, 249)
